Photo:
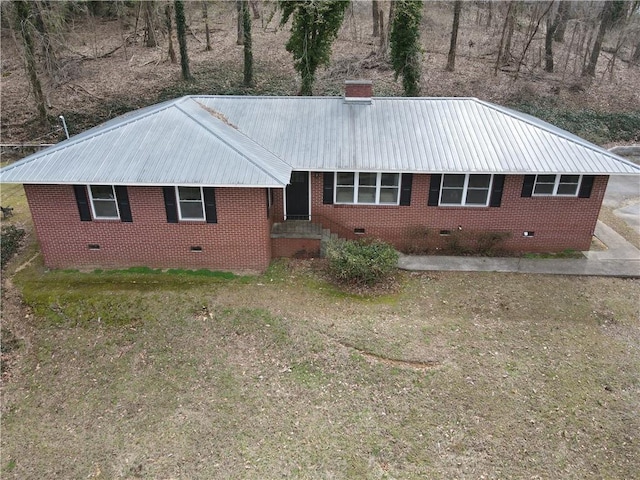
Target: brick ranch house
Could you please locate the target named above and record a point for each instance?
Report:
(230, 182)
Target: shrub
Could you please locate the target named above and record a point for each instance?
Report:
(417, 240)
(490, 243)
(362, 262)
(10, 241)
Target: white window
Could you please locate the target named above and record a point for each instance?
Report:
(566, 185)
(367, 188)
(103, 202)
(465, 189)
(190, 203)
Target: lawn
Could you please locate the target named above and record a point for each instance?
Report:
(144, 374)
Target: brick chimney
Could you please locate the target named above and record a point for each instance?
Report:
(358, 91)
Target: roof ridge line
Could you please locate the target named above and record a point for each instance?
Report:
(583, 143)
(268, 173)
(67, 143)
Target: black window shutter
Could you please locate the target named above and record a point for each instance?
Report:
(170, 204)
(586, 186)
(527, 185)
(122, 197)
(327, 188)
(434, 190)
(210, 204)
(83, 202)
(266, 190)
(405, 189)
(496, 191)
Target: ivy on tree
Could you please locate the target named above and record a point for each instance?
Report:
(315, 26)
(405, 44)
(248, 50)
(181, 29)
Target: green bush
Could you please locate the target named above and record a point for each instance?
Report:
(10, 241)
(362, 262)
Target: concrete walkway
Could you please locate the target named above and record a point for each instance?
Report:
(620, 259)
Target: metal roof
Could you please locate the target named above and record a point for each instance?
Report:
(257, 141)
(428, 135)
(180, 142)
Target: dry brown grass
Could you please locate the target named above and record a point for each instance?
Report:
(453, 376)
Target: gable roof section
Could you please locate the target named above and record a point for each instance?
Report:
(257, 141)
(173, 143)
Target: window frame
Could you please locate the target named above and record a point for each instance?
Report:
(465, 191)
(556, 185)
(378, 188)
(179, 205)
(92, 201)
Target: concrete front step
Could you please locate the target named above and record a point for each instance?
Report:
(297, 229)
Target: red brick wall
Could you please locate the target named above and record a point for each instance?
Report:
(295, 247)
(239, 241)
(558, 222)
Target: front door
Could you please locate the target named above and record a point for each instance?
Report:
(297, 194)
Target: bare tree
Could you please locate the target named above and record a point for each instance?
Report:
(375, 11)
(240, 34)
(205, 17)
(255, 9)
(43, 28)
(562, 18)
(611, 13)
(501, 47)
(167, 19)
(548, 40)
(509, 26)
(451, 59)
(383, 44)
(635, 59)
(25, 27)
(532, 32)
(150, 23)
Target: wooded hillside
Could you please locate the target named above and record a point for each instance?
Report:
(574, 63)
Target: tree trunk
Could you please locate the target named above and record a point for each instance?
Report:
(635, 59)
(510, 22)
(248, 53)
(375, 10)
(548, 46)
(392, 11)
(605, 24)
(172, 52)
(532, 34)
(150, 24)
(562, 17)
(23, 24)
(181, 29)
(240, 35)
(48, 52)
(255, 9)
(490, 14)
(451, 59)
(205, 17)
(505, 27)
(548, 39)
(383, 35)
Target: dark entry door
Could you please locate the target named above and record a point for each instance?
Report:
(298, 196)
